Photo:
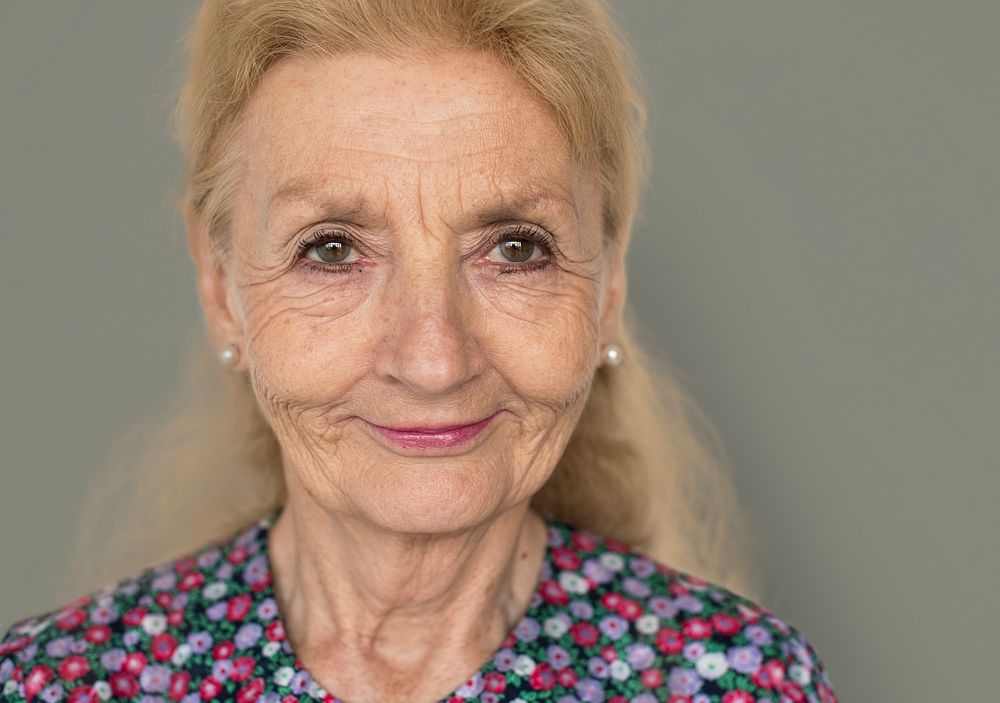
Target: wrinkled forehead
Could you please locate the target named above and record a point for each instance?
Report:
(455, 128)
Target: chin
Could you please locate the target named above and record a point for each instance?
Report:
(436, 497)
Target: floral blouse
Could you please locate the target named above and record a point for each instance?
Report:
(606, 624)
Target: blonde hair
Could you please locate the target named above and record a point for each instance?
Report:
(643, 465)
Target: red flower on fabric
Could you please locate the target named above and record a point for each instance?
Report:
(164, 599)
(239, 607)
(73, 667)
(83, 694)
(725, 624)
(584, 541)
(629, 609)
(71, 620)
(495, 682)
(792, 691)
(163, 646)
(696, 628)
(652, 678)
(223, 650)
(191, 581)
(565, 558)
(737, 697)
(134, 663)
(611, 600)
(242, 669)
(124, 684)
(97, 634)
(669, 641)
(250, 692)
(37, 679)
(552, 592)
(616, 546)
(769, 675)
(133, 618)
(584, 634)
(209, 688)
(274, 631)
(566, 677)
(542, 677)
(180, 683)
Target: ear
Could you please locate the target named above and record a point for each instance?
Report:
(613, 292)
(222, 317)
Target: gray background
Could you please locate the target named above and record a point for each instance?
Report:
(819, 256)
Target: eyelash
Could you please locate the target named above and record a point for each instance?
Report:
(527, 233)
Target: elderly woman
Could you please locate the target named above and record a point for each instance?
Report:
(409, 220)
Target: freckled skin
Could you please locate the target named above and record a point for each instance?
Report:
(424, 329)
(427, 329)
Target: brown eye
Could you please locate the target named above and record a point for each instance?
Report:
(517, 250)
(333, 252)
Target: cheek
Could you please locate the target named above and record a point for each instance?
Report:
(543, 341)
(308, 344)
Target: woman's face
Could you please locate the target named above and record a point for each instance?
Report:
(412, 247)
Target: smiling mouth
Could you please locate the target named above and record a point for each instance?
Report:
(432, 437)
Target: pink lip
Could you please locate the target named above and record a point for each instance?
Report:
(437, 438)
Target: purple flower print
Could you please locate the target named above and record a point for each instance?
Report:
(635, 587)
(59, 647)
(581, 610)
(131, 638)
(690, 604)
(255, 570)
(640, 655)
(224, 572)
(164, 582)
(590, 690)
(267, 610)
(112, 659)
(684, 682)
(472, 687)
(155, 679)
(597, 667)
(614, 626)
(643, 568)
(758, 635)
(247, 635)
(104, 613)
(558, 657)
(200, 642)
(693, 650)
(744, 659)
(504, 660)
(663, 607)
(527, 629)
(206, 559)
(53, 693)
(217, 611)
(596, 571)
(300, 682)
(222, 669)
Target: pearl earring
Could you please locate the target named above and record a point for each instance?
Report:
(229, 354)
(613, 354)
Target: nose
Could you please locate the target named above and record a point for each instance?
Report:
(427, 344)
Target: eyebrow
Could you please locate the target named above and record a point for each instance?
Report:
(354, 207)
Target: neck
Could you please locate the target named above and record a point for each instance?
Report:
(350, 591)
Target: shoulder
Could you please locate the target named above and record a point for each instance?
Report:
(678, 634)
(134, 635)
